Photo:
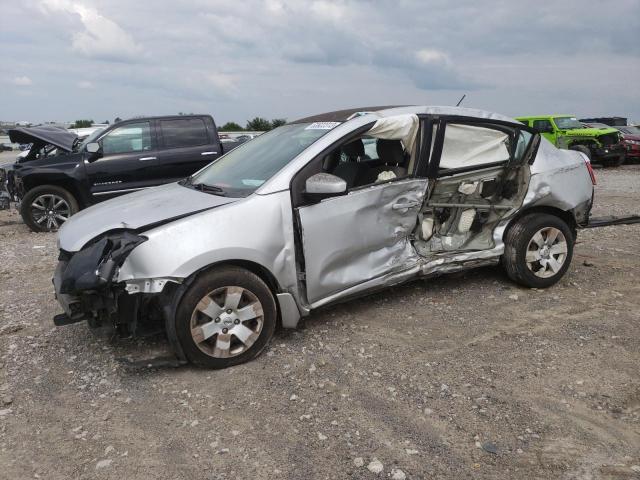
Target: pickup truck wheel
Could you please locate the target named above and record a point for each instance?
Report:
(614, 162)
(538, 250)
(46, 208)
(226, 317)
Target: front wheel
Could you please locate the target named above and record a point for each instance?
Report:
(46, 208)
(538, 250)
(583, 149)
(614, 162)
(227, 317)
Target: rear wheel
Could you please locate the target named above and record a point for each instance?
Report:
(46, 208)
(538, 250)
(227, 317)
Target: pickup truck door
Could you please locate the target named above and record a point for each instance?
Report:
(127, 162)
(186, 145)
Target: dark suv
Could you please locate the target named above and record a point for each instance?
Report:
(62, 175)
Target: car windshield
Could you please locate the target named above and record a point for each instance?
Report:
(241, 171)
(630, 130)
(567, 123)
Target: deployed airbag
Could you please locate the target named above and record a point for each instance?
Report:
(397, 127)
(466, 145)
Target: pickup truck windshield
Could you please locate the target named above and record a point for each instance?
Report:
(567, 123)
(240, 172)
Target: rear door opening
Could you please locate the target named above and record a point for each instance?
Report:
(478, 175)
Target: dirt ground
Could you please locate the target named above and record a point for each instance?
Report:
(463, 376)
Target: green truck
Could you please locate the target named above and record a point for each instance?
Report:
(601, 145)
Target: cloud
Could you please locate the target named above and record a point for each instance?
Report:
(85, 84)
(22, 81)
(101, 38)
(288, 58)
(430, 56)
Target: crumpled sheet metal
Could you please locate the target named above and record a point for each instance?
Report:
(258, 229)
(558, 179)
(352, 239)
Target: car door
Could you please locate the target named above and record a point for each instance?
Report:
(359, 236)
(128, 156)
(187, 145)
(479, 173)
(365, 234)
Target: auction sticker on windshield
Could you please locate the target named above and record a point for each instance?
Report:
(322, 125)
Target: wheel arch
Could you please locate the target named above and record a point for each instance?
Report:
(567, 216)
(176, 292)
(68, 184)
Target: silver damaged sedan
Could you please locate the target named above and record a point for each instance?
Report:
(317, 211)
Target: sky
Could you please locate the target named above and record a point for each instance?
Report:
(69, 59)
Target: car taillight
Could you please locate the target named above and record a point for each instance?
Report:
(591, 174)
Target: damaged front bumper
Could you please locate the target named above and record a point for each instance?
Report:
(609, 151)
(86, 289)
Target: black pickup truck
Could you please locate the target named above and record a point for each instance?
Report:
(62, 175)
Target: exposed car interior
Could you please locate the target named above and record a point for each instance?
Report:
(479, 182)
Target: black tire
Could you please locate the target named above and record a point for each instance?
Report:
(517, 242)
(203, 286)
(614, 162)
(40, 195)
(582, 148)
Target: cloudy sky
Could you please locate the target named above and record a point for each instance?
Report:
(69, 59)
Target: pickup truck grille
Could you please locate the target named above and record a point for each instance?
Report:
(609, 139)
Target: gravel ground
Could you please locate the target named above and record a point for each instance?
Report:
(464, 376)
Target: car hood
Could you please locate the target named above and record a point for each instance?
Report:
(134, 212)
(590, 132)
(57, 136)
(627, 136)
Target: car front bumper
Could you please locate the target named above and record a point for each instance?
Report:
(610, 151)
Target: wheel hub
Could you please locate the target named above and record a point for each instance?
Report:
(226, 322)
(546, 252)
(50, 211)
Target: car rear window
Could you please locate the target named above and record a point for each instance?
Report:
(184, 132)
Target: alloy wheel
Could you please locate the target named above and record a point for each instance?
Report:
(546, 252)
(50, 211)
(227, 322)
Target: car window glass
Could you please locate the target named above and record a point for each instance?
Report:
(567, 123)
(245, 168)
(133, 137)
(542, 125)
(524, 138)
(184, 132)
(468, 145)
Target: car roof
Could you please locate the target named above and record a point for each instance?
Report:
(157, 117)
(341, 116)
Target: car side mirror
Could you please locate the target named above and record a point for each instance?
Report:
(324, 185)
(94, 150)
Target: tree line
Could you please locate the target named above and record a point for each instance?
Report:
(258, 124)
